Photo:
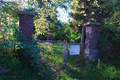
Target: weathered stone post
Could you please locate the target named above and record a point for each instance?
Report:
(92, 37)
(50, 38)
(26, 23)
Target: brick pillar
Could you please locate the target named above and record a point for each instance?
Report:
(92, 37)
(26, 23)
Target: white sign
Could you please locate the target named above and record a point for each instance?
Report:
(74, 49)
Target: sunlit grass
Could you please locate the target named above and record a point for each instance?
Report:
(55, 53)
(1, 36)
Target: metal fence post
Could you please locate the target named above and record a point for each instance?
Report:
(65, 53)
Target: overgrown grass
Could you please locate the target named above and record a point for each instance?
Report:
(55, 52)
(91, 73)
(104, 70)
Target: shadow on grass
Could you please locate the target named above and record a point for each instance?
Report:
(81, 73)
(105, 71)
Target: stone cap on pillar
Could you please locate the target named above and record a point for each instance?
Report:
(91, 23)
(26, 13)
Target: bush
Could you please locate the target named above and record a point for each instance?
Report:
(25, 51)
(109, 42)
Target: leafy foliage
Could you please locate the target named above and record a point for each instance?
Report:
(28, 63)
(6, 9)
(32, 50)
(109, 40)
(88, 10)
(45, 20)
(74, 36)
(26, 52)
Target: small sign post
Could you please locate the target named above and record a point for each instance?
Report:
(74, 49)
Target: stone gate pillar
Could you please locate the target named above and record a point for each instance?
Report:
(92, 37)
(26, 23)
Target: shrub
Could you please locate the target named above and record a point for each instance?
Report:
(109, 42)
(27, 52)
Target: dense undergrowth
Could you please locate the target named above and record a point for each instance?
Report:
(36, 65)
(20, 58)
(24, 59)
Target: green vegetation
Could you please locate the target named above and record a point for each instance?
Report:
(16, 55)
(106, 70)
(21, 59)
(92, 73)
(54, 54)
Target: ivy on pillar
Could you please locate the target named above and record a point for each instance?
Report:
(92, 37)
(26, 24)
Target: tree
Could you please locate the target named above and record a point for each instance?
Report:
(8, 17)
(88, 10)
(114, 20)
(46, 21)
(9, 12)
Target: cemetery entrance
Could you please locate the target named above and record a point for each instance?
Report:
(62, 53)
(89, 41)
